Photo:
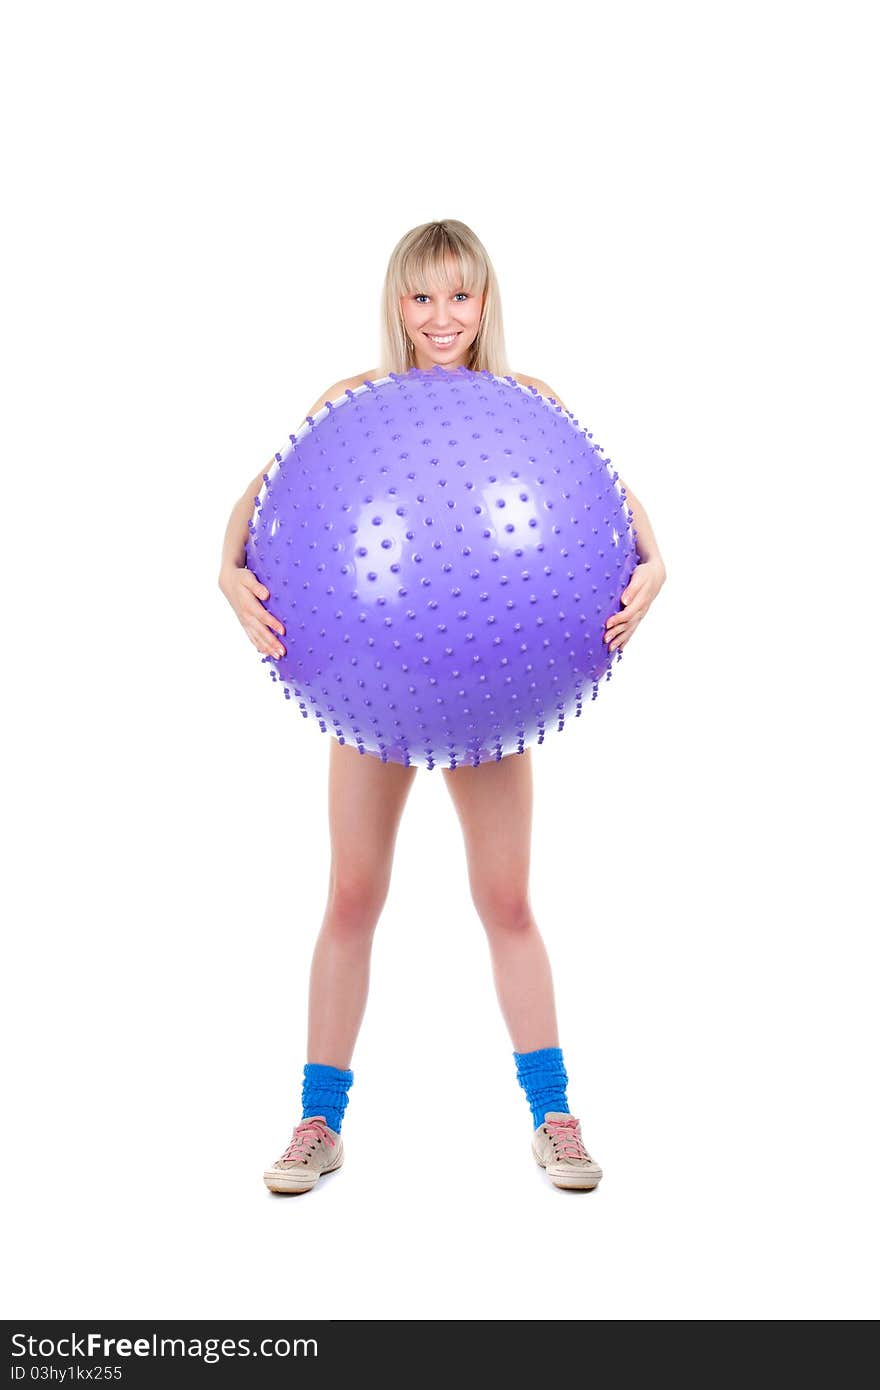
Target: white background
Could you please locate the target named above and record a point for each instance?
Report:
(676, 202)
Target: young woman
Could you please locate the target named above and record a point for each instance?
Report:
(441, 306)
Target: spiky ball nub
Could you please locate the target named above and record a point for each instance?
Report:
(443, 549)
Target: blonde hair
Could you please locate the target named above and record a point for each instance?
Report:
(420, 256)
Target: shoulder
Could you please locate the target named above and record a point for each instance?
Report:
(339, 388)
(352, 382)
(540, 386)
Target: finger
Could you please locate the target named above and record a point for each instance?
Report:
(615, 624)
(265, 623)
(250, 581)
(263, 640)
(633, 614)
(271, 646)
(622, 638)
(633, 588)
(256, 636)
(625, 609)
(255, 610)
(269, 643)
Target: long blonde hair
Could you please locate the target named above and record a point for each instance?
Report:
(421, 255)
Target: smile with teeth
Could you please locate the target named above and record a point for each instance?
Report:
(444, 341)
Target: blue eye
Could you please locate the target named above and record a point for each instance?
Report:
(460, 294)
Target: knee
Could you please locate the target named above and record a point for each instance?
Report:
(354, 902)
(503, 906)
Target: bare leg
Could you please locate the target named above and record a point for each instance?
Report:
(494, 805)
(366, 798)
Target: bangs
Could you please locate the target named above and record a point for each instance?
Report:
(438, 259)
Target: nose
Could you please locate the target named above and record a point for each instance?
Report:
(442, 322)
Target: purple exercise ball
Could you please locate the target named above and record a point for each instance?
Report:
(443, 549)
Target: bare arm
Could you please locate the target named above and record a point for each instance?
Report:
(646, 541)
(237, 527)
(233, 556)
(246, 594)
(649, 575)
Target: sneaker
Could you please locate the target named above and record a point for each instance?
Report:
(559, 1147)
(314, 1149)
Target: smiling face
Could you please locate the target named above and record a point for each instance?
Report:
(441, 322)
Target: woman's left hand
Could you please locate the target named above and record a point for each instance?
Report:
(647, 580)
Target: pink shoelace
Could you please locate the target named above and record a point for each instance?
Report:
(305, 1136)
(566, 1136)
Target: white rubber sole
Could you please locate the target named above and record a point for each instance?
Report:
(290, 1183)
(573, 1183)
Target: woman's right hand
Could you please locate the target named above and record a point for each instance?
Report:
(245, 592)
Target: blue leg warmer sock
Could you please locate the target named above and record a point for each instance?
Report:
(325, 1092)
(543, 1077)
